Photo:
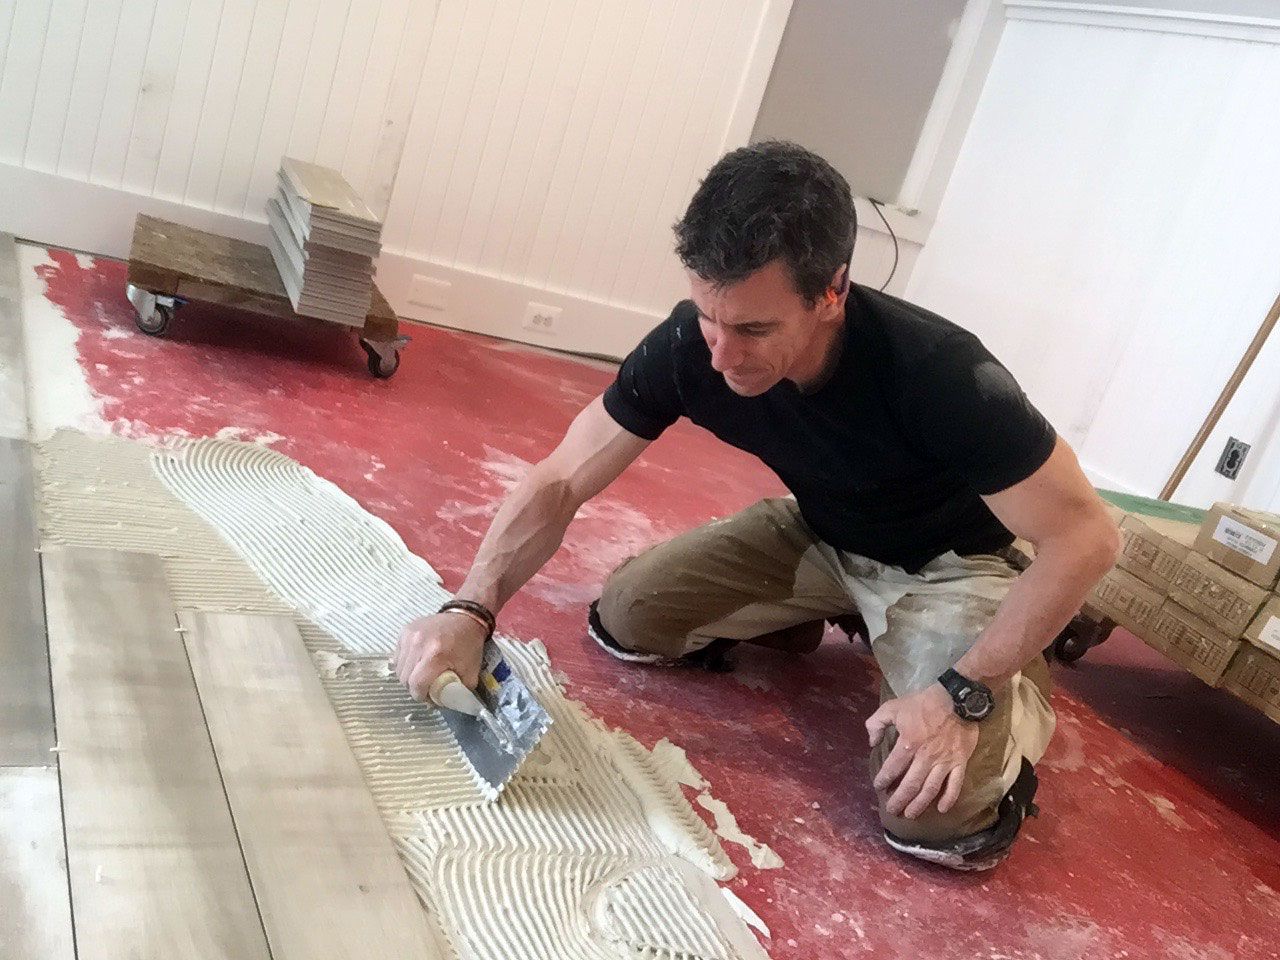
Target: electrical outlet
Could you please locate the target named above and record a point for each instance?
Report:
(541, 318)
(429, 292)
(1232, 458)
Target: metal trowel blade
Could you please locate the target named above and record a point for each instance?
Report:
(496, 744)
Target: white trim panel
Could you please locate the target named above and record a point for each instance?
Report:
(1256, 29)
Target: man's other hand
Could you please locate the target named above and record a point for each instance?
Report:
(431, 645)
(931, 754)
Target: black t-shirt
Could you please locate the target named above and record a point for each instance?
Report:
(887, 458)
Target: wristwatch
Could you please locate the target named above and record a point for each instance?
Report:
(973, 700)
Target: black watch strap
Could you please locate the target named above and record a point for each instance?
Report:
(973, 700)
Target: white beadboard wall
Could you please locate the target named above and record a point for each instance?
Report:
(1110, 231)
(520, 149)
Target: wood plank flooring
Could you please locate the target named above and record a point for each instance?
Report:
(156, 869)
(26, 706)
(327, 878)
(35, 914)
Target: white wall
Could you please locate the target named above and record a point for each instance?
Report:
(526, 149)
(1110, 231)
(854, 81)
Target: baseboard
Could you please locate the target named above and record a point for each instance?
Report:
(56, 211)
(61, 212)
(496, 306)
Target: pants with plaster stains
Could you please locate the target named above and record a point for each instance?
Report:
(763, 570)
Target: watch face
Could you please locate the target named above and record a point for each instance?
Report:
(977, 703)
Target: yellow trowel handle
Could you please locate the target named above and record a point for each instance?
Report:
(451, 693)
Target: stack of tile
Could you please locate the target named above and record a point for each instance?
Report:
(323, 239)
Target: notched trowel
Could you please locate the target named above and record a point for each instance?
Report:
(497, 725)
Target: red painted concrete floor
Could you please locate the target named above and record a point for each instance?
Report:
(1160, 835)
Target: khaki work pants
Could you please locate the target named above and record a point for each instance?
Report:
(763, 570)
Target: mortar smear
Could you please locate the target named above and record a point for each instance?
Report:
(593, 851)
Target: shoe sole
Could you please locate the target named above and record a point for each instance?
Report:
(628, 656)
(946, 858)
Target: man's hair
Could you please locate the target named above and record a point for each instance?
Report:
(772, 200)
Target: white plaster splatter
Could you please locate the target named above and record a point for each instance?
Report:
(675, 763)
(59, 396)
(264, 438)
(591, 808)
(745, 912)
(727, 828)
(1168, 812)
(329, 664)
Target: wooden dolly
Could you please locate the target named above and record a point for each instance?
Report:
(170, 264)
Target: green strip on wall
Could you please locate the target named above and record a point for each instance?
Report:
(1147, 507)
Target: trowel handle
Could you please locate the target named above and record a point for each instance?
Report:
(449, 692)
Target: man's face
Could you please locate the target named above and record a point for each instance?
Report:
(760, 330)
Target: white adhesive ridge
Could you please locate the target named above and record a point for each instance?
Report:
(745, 912)
(675, 763)
(592, 851)
(762, 855)
(335, 563)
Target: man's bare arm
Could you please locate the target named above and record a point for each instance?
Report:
(531, 523)
(528, 528)
(1076, 543)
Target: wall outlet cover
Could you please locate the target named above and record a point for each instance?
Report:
(429, 292)
(541, 318)
(1232, 458)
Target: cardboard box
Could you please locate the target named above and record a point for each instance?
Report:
(1198, 646)
(1264, 631)
(1246, 542)
(1254, 677)
(1216, 595)
(1126, 600)
(1154, 548)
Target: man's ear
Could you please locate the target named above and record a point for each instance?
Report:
(839, 285)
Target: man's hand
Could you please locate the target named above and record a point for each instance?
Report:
(430, 646)
(933, 749)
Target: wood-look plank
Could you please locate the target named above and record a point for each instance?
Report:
(26, 705)
(155, 866)
(327, 878)
(35, 914)
(13, 360)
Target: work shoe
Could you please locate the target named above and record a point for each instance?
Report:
(986, 848)
(602, 637)
(710, 658)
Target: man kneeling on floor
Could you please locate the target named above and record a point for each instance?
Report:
(914, 458)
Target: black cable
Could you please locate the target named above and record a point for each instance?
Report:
(884, 220)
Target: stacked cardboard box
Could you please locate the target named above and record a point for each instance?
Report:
(1135, 589)
(1178, 601)
(1203, 595)
(323, 239)
(1248, 543)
